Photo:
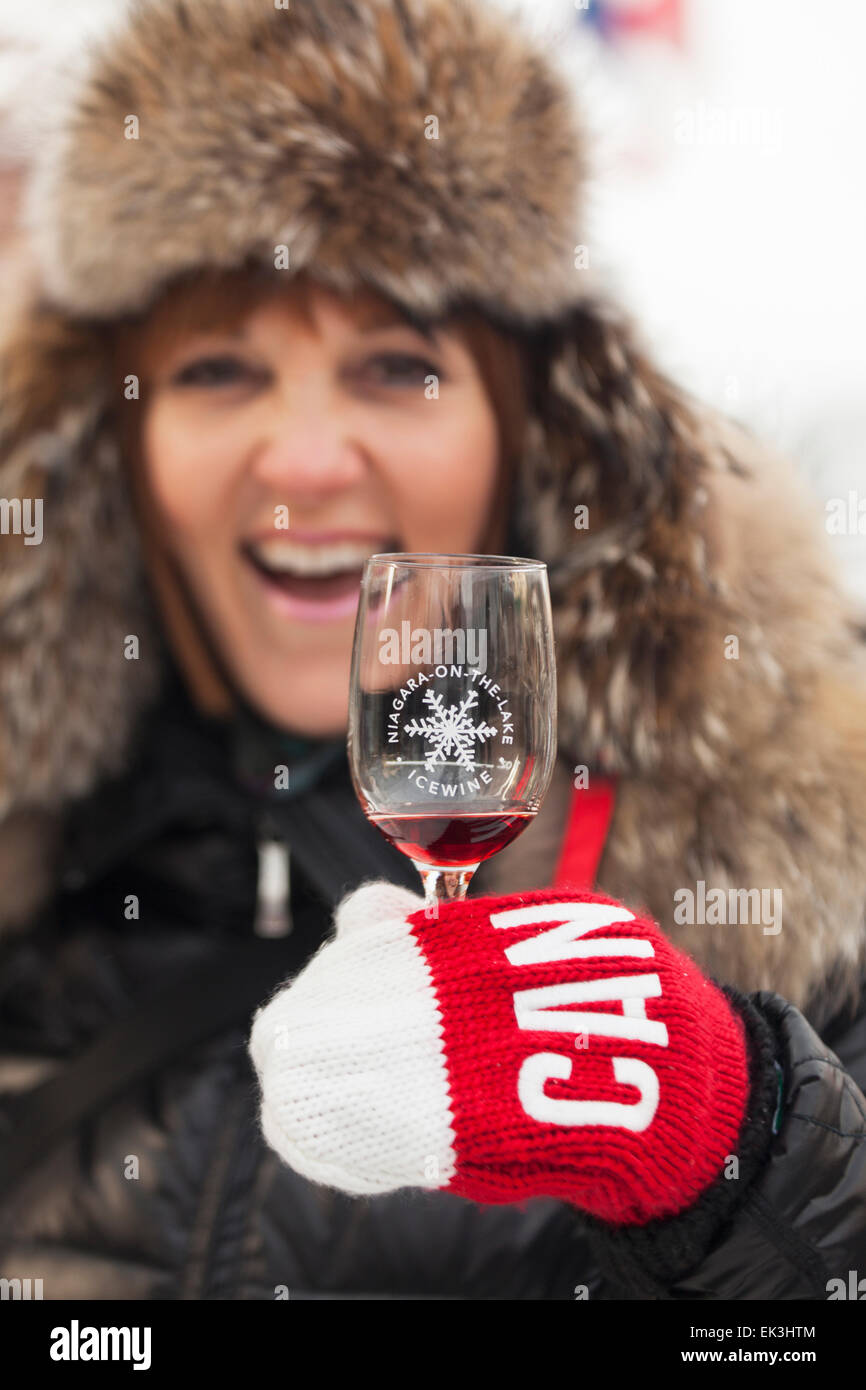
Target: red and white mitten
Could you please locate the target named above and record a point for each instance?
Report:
(540, 1044)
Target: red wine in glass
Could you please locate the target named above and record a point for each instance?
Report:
(453, 840)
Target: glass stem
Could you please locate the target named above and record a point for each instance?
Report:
(444, 885)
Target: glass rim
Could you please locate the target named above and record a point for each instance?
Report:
(432, 560)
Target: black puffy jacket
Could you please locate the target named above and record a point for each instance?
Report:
(213, 1214)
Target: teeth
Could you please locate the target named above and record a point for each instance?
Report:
(292, 557)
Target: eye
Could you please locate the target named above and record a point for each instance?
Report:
(397, 367)
(218, 370)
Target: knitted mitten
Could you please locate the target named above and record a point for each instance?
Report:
(538, 1044)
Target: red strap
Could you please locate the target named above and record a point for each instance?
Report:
(585, 834)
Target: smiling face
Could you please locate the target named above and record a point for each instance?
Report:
(323, 420)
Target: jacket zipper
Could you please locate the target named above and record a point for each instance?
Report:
(237, 1149)
(273, 916)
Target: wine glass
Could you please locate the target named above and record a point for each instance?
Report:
(452, 714)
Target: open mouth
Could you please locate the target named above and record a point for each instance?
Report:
(318, 580)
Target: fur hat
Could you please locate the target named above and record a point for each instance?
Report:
(431, 150)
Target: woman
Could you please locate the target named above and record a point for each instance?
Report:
(335, 311)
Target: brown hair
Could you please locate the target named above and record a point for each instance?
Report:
(210, 300)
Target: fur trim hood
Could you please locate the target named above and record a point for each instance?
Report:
(430, 150)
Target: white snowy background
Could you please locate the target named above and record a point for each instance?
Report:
(728, 206)
(742, 258)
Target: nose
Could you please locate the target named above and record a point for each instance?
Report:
(309, 450)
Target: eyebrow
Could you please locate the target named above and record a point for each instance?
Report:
(371, 319)
(383, 316)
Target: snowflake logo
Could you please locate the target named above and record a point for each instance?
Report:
(450, 731)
